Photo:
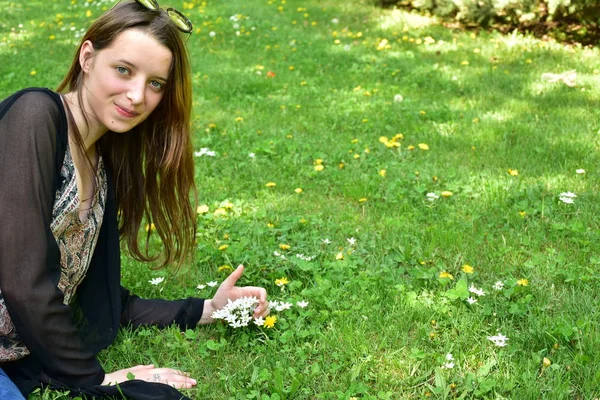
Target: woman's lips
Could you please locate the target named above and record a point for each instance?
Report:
(125, 112)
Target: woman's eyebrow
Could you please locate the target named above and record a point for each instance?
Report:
(132, 65)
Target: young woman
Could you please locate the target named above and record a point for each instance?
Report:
(80, 170)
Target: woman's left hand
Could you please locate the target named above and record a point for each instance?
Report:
(228, 291)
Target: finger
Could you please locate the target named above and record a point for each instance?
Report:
(233, 277)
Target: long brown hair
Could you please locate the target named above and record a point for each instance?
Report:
(152, 165)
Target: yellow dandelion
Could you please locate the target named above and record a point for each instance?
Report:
(298, 190)
(354, 140)
(227, 204)
(341, 165)
(446, 193)
(319, 167)
(51, 37)
(467, 269)
(212, 126)
(522, 214)
(339, 256)
(291, 68)
(382, 172)
(398, 136)
(546, 362)
(303, 83)
(220, 211)
(393, 144)
(423, 146)
(271, 184)
(203, 209)
(223, 247)
(383, 139)
(239, 119)
(362, 200)
(33, 73)
(318, 161)
(270, 225)
(284, 246)
(282, 281)
(445, 275)
(513, 172)
(356, 156)
(422, 112)
(224, 268)
(523, 282)
(270, 321)
(464, 63)
(410, 148)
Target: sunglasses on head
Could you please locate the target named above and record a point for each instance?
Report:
(181, 21)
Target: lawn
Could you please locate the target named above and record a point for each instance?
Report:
(423, 189)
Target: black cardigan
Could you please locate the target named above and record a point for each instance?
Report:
(63, 340)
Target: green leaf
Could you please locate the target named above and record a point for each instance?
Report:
(130, 376)
(460, 291)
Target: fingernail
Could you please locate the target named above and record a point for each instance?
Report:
(194, 381)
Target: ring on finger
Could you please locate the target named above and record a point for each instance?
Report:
(156, 377)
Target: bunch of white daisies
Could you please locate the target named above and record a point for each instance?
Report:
(239, 313)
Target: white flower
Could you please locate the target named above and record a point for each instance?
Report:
(471, 300)
(156, 281)
(432, 196)
(305, 258)
(448, 365)
(347, 47)
(580, 171)
(259, 321)
(499, 285)
(335, 21)
(251, 155)
(352, 241)
(398, 98)
(234, 18)
(449, 357)
(499, 340)
(568, 194)
(282, 306)
(567, 200)
(238, 313)
(273, 303)
(212, 283)
(326, 241)
(302, 304)
(478, 292)
(200, 287)
(212, 34)
(205, 152)
(236, 26)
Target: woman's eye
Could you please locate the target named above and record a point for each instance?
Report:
(156, 85)
(122, 70)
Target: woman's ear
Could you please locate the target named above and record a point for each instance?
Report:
(85, 55)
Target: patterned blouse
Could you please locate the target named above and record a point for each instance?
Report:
(76, 240)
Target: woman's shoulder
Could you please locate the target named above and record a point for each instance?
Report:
(30, 110)
(32, 101)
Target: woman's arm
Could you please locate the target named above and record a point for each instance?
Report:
(29, 255)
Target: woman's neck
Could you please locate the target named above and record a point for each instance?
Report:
(90, 129)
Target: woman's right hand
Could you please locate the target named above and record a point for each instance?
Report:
(149, 373)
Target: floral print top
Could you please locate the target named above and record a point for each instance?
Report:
(76, 240)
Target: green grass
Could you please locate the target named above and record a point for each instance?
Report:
(381, 321)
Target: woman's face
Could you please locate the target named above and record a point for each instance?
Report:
(125, 82)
